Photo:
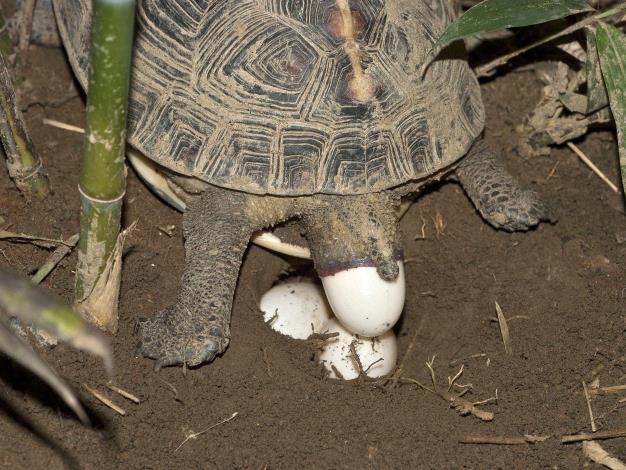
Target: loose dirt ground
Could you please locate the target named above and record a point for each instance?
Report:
(561, 286)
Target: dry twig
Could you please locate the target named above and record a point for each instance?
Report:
(315, 337)
(461, 405)
(105, 400)
(55, 258)
(461, 360)
(552, 171)
(597, 436)
(595, 452)
(440, 224)
(357, 360)
(63, 125)
(393, 380)
(585, 159)
(338, 374)
(124, 393)
(174, 391)
(502, 440)
(591, 418)
(607, 390)
(35, 240)
(422, 235)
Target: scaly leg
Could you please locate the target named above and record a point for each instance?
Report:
(217, 225)
(496, 195)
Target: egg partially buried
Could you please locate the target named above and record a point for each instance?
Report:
(363, 302)
(378, 355)
(296, 308)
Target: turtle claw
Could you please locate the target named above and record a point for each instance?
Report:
(516, 210)
(499, 198)
(176, 339)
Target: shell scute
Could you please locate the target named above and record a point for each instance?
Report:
(292, 97)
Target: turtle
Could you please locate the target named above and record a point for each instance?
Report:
(319, 111)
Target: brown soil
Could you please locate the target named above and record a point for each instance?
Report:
(562, 287)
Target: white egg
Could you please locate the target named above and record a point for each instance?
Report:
(363, 302)
(292, 307)
(336, 352)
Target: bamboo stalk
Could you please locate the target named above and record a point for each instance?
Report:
(23, 162)
(103, 173)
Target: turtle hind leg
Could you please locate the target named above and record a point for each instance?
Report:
(497, 196)
(217, 225)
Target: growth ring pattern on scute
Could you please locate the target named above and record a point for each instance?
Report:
(263, 95)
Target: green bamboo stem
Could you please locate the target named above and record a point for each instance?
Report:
(23, 162)
(103, 174)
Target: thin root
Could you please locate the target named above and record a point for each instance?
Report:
(194, 435)
(461, 405)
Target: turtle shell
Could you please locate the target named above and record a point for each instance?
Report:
(292, 97)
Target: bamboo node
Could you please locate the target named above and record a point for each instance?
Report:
(101, 201)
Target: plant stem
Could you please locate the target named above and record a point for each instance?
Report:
(103, 174)
(23, 162)
(54, 259)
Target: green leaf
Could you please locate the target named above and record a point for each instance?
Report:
(491, 15)
(611, 43)
(596, 92)
(35, 305)
(23, 354)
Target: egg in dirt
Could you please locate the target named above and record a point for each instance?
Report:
(378, 356)
(363, 302)
(296, 308)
